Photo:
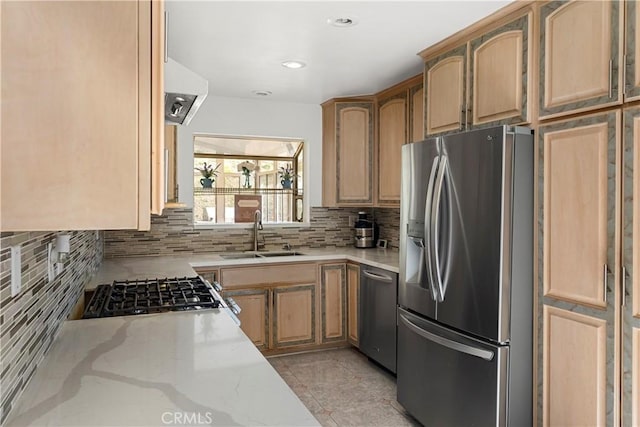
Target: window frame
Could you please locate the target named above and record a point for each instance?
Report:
(298, 208)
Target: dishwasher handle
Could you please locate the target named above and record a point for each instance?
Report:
(375, 276)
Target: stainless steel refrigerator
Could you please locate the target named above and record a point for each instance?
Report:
(465, 292)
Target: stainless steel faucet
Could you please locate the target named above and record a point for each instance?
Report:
(257, 225)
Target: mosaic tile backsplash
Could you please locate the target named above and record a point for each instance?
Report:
(173, 233)
(30, 321)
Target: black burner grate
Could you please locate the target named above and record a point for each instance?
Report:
(151, 296)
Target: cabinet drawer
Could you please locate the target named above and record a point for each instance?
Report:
(267, 275)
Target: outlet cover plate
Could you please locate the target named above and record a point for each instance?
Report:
(51, 264)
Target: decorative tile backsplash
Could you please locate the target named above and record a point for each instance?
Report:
(173, 233)
(30, 321)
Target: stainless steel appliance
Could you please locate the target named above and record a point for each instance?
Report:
(147, 296)
(366, 232)
(465, 286)
(377, 311)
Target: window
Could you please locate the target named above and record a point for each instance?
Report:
(235, 176)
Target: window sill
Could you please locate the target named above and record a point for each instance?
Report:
(203, 225)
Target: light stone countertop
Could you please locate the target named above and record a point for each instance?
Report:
(180, 368)
(184, 265)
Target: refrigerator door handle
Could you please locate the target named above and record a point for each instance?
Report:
(427, 229)
(435, 224)
(453, 345)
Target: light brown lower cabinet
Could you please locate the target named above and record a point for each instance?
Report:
(353, 298)
(293, 306)
(294, 315)
(254, 317)
(278, 302)
(630, 264)
(277, 317)
(589, 309)
(333, 288)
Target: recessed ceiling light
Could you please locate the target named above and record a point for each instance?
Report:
(262, 92)
(294, 65)
(342, 22)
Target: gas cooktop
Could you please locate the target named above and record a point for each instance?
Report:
(122, 298)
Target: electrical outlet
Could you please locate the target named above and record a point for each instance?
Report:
(97, 235)
(16, 270)
(352, 220)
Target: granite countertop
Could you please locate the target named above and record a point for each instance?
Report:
(184, 265)
(154, 370)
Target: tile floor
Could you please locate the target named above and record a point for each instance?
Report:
(343, 388)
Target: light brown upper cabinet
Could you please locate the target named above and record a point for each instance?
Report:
(495, 92)
(499, 75)
(399, 120)
(579, 56)
(632, 52)
(392, 134)
(579, 272)
(416, 112)
(82, 115)
(347, 152)
(445, 85)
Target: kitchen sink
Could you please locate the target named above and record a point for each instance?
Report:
(287, 253)
(240, 256)
(252, 255)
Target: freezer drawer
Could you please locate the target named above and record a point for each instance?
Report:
(377, 329)
(449, 379)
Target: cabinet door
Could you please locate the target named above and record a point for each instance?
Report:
(354, 149)
(445, 91)
(632, 52)
(294, 315)
(76, 111)
(500, 74)
(329, 155)
(416, 113)
(254, 314)
(631, 265)
(576, 274)
(210, 275)
(353, 301)
(579, 56)
(392, 128)
(333, 290)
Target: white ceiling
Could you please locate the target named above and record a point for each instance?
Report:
(238, 46)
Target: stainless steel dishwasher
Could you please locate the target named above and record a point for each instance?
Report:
(377, 328)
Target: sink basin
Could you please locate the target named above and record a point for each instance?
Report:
(287, 253)
(240, 256)
(253, 255)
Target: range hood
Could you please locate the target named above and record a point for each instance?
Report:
(184, 92)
